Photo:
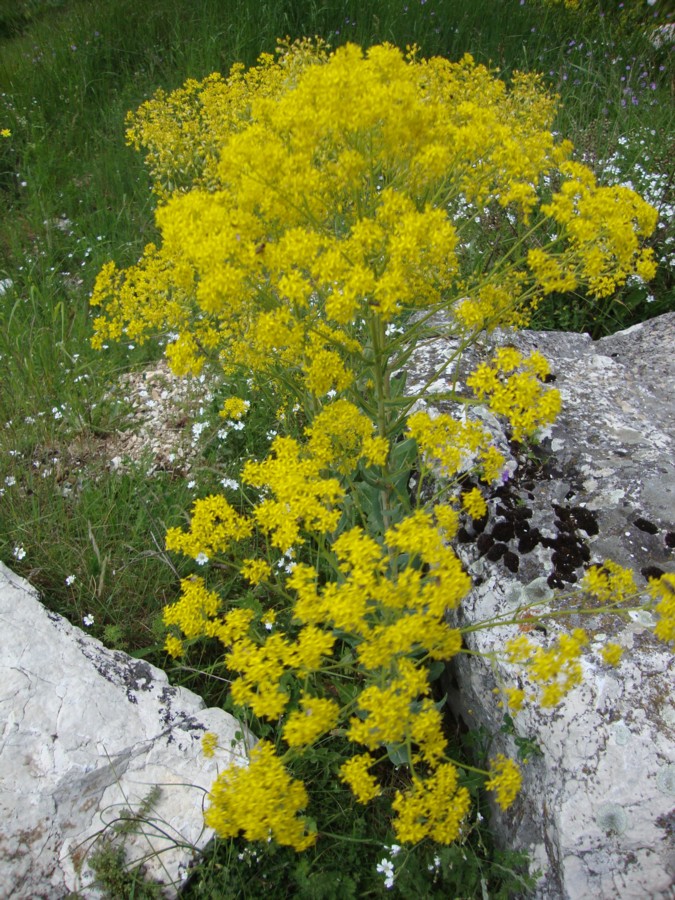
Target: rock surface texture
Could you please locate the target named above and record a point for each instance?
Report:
(86, 734)
(597, 806)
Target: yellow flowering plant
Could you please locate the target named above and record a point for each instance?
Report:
(320, 217)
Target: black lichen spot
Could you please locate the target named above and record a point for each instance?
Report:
(503, 531)
(484, 542)
(585, 520)
(646, 525)
(555, 581)
(496, 552)
(520, 513)
(550, 378)
(569, 519)
(464, 537)
(479, 524)
(670, 539)
(511, 561)
(650, 572)
(529, 541)
(522, 528)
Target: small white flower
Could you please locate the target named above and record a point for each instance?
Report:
(201, 559)
(70, 580)
(386, 867)
(229, 483)
(19, 552)
(191, 484)
(10, 480)
(88, 621)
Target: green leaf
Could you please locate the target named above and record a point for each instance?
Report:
(398, 754)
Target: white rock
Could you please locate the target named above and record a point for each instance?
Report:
(597, 806)
(86, 733)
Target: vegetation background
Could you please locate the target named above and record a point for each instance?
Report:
(89, 533)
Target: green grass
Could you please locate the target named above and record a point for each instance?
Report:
(73, 195)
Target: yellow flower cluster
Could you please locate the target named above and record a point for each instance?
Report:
(474, 503)
(214, 527)
(341, 435)
(391, 612)
(262, 666)
(195, 610)
(662, 591)
(309, 218)
(448, 444)
(317, 194)
(196, 615)
(505, 781)
(355, 773)
(556, 669)
(610, 583)
(512, 386)
(604, 226)
(261, 801)
(234, 408)
(302, 497)
(209, 744)
(434, 807)
(315, 717)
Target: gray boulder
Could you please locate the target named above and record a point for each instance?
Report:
(597, 806)
(87, 737)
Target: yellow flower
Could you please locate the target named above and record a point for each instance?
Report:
(215, 525)
(506, 780)
(305, 725)
(663, 590)
(5, 132)
(234, 408)
(435, 807)
(474, 503)
(512, 388)
(341, 435)
(354, 772)
(255, 570)
(302, 497)
(194, 611)
(261, 801)
(610, 582)
(612, 653)
(515, 698)
(209, 743)
(173, 646)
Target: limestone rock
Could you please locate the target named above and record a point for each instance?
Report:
(87, 733)
(597, 809)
